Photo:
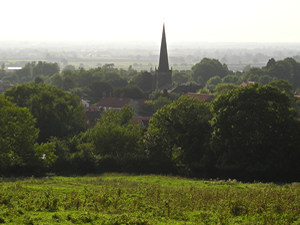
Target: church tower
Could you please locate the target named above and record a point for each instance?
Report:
(163, 75)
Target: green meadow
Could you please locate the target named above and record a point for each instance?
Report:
(147, 199)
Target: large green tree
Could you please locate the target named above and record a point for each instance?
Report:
(213, 82)
(130, 92)
(287, 69)
(17, 135)
(44, 69)
(18, 149)
(32, 70)
(181, 77)
(99, 90)
(179, 134)
(255, 132)
(144, 81)
(57, 113)
(223, 88)
(115, 134)
(151, 106)
(208, 68)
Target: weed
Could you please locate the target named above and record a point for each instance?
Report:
(117, 199)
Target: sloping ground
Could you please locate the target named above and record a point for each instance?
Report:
(128, 199)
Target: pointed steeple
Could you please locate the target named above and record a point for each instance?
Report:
(163, 57)
(163, 75)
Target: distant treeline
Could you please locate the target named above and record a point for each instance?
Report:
(93, 84)
(247, 133)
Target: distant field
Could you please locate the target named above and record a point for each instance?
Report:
(117, 64)
(127, 199)
(125, 64)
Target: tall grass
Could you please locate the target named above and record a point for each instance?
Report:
(120, 199)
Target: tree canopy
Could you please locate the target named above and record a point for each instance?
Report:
(213, 82)
(18, 148)
(115, 134)
(57, 113)
(144, 81)
(17, 135)
(179, 132)
(255, 131)
(130, 92)
(207, 68)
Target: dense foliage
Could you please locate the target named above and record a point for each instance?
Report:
(179, 134)
(57, 113)
(255, 133)
(19, 152)
(17, 136)
(113, 144)
(30, 72)
(116, 135)
(246, 133)
(287, 69)
(208, 68)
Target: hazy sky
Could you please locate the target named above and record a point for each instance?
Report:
(140, 20)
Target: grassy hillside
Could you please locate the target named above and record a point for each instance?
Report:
(124, 199)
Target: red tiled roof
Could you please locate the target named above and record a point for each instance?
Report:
(245, 83)
(201, 97)
(141, 118)
(297, 96)
(113, 102)
(144, 121)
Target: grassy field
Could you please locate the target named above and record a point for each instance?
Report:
(127, 199)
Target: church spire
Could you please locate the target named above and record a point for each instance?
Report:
(163, 58)
(163, 76)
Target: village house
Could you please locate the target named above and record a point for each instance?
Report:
(201, 97)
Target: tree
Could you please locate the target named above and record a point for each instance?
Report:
(179, 134)
(223, 88)
(287, 69)
(17, 135)
(38, 80)
(213, 82)
(180, 77)
(115, 135)
(2, 66)
(18, 150)
(144, 81)
(114, 79)
(44, 69)
(253, 74)
(25, 74)
(32, 70)
(265, 79)
(57, 113)
(130, 92)
(151, 106)
(69, 67)
(254, 133)
(99, 90)
(68, 83)
(284, 86)
(158, 93)
(234, 79)
(271, 63)
(208, 68)
(56, 80)
(281, 70)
